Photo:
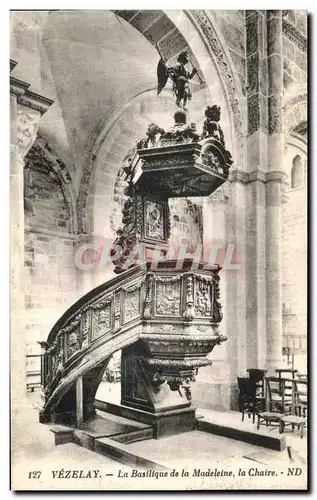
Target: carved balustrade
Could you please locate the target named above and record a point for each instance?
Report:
(174, 312)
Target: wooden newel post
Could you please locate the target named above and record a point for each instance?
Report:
(79, 403)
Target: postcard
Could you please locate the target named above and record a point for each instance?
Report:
(158, 245)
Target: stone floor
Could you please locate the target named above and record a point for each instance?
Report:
(184, 453)
(110, 392)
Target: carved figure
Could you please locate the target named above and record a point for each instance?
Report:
(179, 75)
(72, 344)
(213, 129)
(186, 386)
(180, 132)
(157, 381)
(154, 221)
(168, 299)
(152, 135)
(203, 300)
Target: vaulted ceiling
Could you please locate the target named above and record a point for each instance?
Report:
(89, 62)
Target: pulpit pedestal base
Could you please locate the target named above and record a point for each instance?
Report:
(164, 423)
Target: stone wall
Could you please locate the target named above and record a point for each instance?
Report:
(294, 232)
(231, 24)
(49, 250)
(294, 48)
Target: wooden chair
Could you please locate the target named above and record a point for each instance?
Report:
(248, 401)
(288, 375)
(269, 418)
(286, 372)
(277, 397)
(294, 421)
(257, 376)
(300, 398)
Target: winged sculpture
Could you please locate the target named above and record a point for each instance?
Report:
(179, 75)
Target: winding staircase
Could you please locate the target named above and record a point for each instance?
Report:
(163, 316)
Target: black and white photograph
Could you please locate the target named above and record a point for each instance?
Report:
(158, 249)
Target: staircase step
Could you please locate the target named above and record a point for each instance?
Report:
(62, 433)
(132, 437)
(119, 452)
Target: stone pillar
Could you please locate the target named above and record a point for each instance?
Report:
(257, 73)
(236, 279)
(211, 386)
(274, 311)
(26, 109)
(274, 192)
(79, 403)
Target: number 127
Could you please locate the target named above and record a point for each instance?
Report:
(35, 474)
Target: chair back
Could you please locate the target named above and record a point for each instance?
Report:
(300, 388)
(275, 385)
(256, 374)
(247, 387)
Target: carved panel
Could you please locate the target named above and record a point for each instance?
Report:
(154, 220)
(202, 299)
(132, 303)
(72, 343)
(101, 318)
(168, 297)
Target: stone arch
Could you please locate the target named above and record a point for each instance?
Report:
(166, 27)
(41, 155)
(295, 111)
(222, 85)
(175, 33)
(297, 173)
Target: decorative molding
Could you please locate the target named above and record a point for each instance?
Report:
(35, 101)
(257, 176)
(28, 98)
(295, 110)
(156, 337)
(300, 97)
(167, 328)
(103, 303)
(276, 176)
(238, 175)
(178, 363)
(223, 63)
(12, 64)
(41, 154)
(18, 87)
(292, 33)
(50, 232)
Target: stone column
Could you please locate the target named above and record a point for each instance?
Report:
(275, 177)
(257, 99)
(79, 403)
(26, 109)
